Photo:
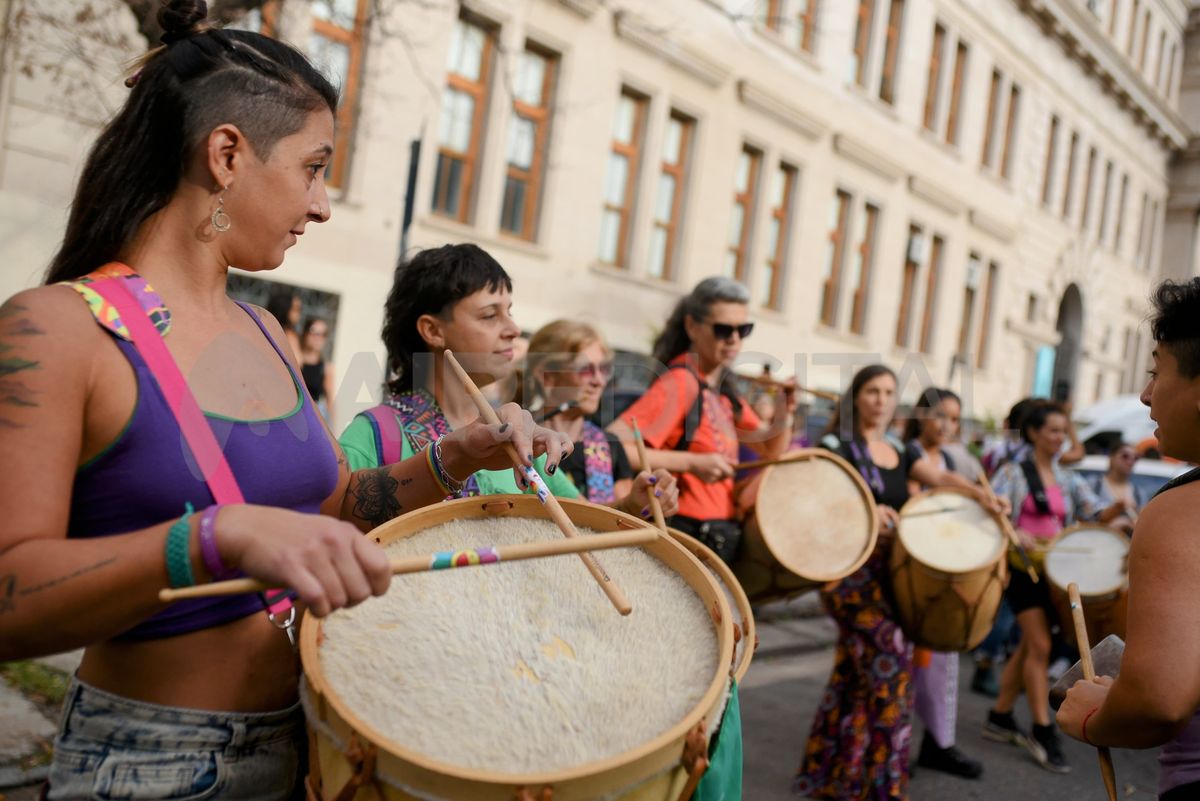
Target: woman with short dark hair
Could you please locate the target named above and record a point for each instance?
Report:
(1153, 701)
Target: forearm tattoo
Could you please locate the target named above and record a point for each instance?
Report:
(9, 591)
(14, 392)
(374, 493)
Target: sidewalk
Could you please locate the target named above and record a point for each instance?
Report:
(796, 626)
(27, 710)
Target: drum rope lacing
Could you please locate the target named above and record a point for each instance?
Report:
(344, 747)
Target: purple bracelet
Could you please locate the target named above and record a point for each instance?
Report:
(208, 545)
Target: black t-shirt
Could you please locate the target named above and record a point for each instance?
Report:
(890, 487)
(576, 470)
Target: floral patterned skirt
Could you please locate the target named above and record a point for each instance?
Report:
(858, 747)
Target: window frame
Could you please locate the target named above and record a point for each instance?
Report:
(866, 256)
(782, 216)
(933, 85)
(889, 77)
(908, 286)
(836, 256)
(480, 90)
(865, 17)
(633, 155)
(678, 171)
(937, 252)
(1009, 148)
(1051, 163)
(1089, 178)
(988, 311)
(987, 158)
(534, 177)
(747, 200)
(962, 55)
(1122, 200)
(1069, 188)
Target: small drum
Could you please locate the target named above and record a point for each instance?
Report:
(809, 521)
(745, 636)
(948, 570)
(518, 681)
(1095, 557)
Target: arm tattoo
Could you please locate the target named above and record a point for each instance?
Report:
(14, 392)
(9, 592)
(374, 494)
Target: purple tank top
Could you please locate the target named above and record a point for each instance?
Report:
(147, 475)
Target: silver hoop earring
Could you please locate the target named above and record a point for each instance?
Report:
(220, 219)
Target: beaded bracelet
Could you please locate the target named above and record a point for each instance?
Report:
(179, 551)
(1083, 727)
(433, 460)
(208, 545)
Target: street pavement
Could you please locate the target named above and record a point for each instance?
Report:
(778, 699)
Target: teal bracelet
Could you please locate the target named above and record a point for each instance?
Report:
(179, 550)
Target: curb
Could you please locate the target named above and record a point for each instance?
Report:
(16, 776)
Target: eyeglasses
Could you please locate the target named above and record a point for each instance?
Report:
(593, 369)
(725, 330)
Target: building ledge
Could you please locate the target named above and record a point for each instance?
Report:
(866, 156)
(1086, 43)
(780, 110)
(644, 35)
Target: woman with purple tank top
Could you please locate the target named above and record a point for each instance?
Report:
(105, 489)
(1155, 698)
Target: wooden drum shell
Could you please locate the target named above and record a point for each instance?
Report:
(745, 634)
(781, 545)
(650, 772)
(945, 610)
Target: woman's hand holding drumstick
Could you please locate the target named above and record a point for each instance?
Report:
(443, 560)
(655, 506)
(1006, 524)
(543, 492)
(1089, 674)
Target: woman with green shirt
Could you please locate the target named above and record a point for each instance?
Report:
(456, 298)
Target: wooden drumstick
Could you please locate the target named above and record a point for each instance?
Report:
(655, 505)
(544, 494)
(444, 560)
(1089, 673)
(795, 457)
(1006, 524)
(816, 393)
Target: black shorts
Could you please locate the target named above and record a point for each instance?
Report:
(1023, 594)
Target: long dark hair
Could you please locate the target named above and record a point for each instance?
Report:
(845, 406)
(929, 400)
(279, 305)
(430, 283)
(200, 77)
(1036, 417)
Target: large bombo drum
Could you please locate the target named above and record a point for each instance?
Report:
(519, 680)
(1095, 557)
(745, 634)
(810, 521)
(948, 570)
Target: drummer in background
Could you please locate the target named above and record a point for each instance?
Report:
(932, 423)
(858, 746)
(691, 415)
(567, 367)
(1045, 499)
(1154, 700)
(1115, 485)
(456, 298)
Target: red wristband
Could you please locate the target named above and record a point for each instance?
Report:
(1083, 728)
(208, 545)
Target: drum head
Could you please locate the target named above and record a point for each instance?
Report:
(1092, 556)
(949, 531)
(816, 515)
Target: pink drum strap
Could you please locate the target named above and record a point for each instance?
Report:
(196, 431)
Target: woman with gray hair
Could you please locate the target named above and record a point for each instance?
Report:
(692, 414)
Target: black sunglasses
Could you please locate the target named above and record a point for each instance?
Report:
(725, 330)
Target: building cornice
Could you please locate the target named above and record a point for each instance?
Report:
(866, 156)
(644, 35)
(1085, 42)
(585, 8)
(1032, 333)
(780, 110)
(937, 195)
(994, 226)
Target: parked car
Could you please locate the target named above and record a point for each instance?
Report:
(1148, 474)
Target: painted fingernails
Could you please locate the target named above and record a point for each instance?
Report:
(646, 512)
(658, 493)
(653, 479)
(504, 428)
(551, 468)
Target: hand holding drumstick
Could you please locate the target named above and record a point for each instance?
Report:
(543, 492)
(1089, 674)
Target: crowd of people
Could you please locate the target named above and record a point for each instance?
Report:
(218, 158)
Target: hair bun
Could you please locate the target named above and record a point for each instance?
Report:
(180, 19)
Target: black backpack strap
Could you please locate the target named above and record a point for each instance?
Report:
(1036, 488)
(691, 421)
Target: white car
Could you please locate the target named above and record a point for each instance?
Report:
(1148, 474)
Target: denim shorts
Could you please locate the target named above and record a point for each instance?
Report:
(109, 747)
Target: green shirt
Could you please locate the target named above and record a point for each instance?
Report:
(362, 452)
